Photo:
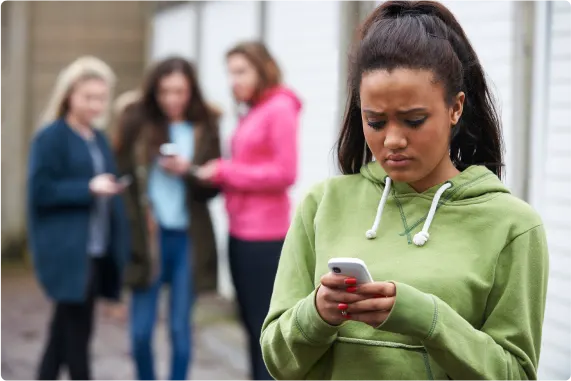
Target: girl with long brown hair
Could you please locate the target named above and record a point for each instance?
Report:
(160, 137)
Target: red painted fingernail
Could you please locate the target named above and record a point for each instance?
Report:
(347, 316)
(350, 281)
(351, 289)
(342, 306)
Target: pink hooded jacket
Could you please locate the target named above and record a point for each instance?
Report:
(263, 166)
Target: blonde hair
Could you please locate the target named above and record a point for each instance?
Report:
(82, 68)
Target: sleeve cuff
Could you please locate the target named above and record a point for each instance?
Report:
(414, 313)
(310, 323)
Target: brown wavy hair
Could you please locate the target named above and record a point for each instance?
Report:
(268, 70)
(197, 110)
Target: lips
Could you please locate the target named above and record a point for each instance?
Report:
(397, 161)
(397, 157)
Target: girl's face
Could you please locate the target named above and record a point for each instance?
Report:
(88, 100)
(174, 95)
(243, 77)
(407, 125)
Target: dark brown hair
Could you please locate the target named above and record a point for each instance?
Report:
(154, 118)
(423, 35)
(266, 66)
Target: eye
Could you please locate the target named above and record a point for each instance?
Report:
(376, 125)
(416, 122)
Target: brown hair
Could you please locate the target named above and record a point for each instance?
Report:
(197, 111)
(423, 35)
(266, 66)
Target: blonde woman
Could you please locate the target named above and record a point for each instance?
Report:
(76, 223)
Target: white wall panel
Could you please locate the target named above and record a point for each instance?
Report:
(223, 24)
(304, 37)
(551, 182)
(173, 32)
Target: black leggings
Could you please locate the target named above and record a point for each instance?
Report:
(69, 336)
(254, 265)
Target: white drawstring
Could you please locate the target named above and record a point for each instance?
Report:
(421, 237)
(372, 233)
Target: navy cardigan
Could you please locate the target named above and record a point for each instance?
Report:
(59, 204)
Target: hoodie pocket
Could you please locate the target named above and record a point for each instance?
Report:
(382, 360)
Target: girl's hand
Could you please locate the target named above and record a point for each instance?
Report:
(104, 185)
(207, 171)
(334, 296)
(379, 299)
(175, 165)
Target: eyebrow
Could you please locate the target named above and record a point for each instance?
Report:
(400, 112)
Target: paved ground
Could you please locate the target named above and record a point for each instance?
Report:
(219, 342)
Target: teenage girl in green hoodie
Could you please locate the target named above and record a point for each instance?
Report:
(460, 264)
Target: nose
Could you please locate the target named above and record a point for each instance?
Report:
(394, 138)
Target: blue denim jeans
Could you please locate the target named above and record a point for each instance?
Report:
(175, 270)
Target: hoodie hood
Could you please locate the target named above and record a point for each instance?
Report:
(474, 182)
(281, 92)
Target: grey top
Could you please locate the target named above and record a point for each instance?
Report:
(99, 219)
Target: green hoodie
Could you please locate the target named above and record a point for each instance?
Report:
(469, 303)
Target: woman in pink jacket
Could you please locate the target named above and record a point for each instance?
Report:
(255, 182)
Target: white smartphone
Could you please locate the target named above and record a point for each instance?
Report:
(168, 149)
(125, 180)
(351, 267)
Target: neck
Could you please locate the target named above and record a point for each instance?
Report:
(79, 126)
(443, 172)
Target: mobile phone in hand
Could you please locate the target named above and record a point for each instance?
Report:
(125, 180)
(168, 150)
(351, 267)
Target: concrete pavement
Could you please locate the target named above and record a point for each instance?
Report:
(219, 341)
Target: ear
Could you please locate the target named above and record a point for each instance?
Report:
(457, 108)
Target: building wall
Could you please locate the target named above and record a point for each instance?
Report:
(43, 37)
(3, 74)
(14, 53)
(3, 54)
(61, 31)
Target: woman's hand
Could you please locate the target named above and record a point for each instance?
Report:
(175, 165)
(379, 299)
(104, 185)
(207, 171)
(334, 296)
